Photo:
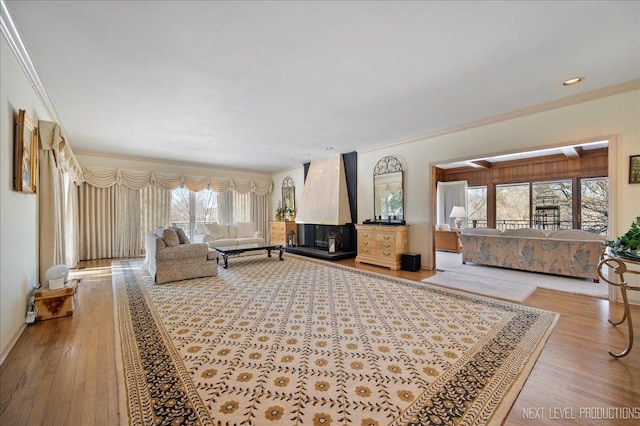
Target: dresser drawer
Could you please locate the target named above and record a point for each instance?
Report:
(377, 252)
(377, 244)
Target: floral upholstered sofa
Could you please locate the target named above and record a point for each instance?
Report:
(171, 257)
(233, 234)
(570, 252)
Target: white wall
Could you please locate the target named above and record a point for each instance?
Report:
(18, 211)
(617, 115)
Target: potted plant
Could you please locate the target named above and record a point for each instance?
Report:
(628, 244)
(279, 212)
(290, 214)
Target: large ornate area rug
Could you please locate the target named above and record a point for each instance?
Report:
(305, 342)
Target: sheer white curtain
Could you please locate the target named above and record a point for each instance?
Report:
(225, 207)
(450, 194)
(127, 222)
(260, 212)
(155, 209)
(241, 207)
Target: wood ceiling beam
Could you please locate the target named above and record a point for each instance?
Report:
(572, 151)
(483, 164)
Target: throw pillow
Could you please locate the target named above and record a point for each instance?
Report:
(182, 237)
(217, 232)
(160, 244)
(233, 230)
(170, 238)
(245, 229)
(201, 228)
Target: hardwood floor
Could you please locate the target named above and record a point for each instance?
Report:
(62, 371)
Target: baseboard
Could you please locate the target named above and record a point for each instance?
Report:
(12, 343)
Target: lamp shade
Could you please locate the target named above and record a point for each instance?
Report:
(458, 211)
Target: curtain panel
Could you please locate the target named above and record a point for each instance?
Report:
(97, 222)
(57, 216)
(450, 194)
(113, 220)
(72, 229)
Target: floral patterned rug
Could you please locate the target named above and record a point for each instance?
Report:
(306, 342)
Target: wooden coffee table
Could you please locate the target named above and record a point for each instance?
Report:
(243, 248)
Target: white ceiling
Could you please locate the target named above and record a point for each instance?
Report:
(269, 85)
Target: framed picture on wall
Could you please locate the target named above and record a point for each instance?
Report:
(25, 154)
(634, 169)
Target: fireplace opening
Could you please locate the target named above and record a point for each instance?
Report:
(313, 241)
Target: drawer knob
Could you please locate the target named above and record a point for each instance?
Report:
(386, 237)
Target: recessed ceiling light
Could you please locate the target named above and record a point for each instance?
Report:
(573, 81)
(329, 148)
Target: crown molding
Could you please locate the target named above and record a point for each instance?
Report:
(560, 103)
(162, 161)
(21, 53)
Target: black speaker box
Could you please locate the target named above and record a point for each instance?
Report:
(410, 262)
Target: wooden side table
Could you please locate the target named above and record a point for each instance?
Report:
(278, 232)
(448, 241)
(619, 266)
(56, 303)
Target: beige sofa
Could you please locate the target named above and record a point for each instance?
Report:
(570, 252)
(233, 234)
(171, 257)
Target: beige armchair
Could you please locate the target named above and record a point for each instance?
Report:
(171, 257)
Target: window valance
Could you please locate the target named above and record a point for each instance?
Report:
(104, 177)
(51, 139)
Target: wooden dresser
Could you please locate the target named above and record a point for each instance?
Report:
(382, 245)
(278, 232)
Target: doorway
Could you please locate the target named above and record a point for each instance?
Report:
(572, 174)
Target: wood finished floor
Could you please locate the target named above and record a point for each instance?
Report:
(63, 371)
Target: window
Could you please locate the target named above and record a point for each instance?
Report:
(188, 208)
(594, 205)
(477, 206)
(512, 206)
(206, 206)
(552, 204)
(181, 208)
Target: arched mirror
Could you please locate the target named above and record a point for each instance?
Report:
(388, 194)
(288, 195)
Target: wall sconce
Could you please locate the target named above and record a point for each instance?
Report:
(291, 241)
(458, 212)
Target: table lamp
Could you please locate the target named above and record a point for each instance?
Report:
(458, 212)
